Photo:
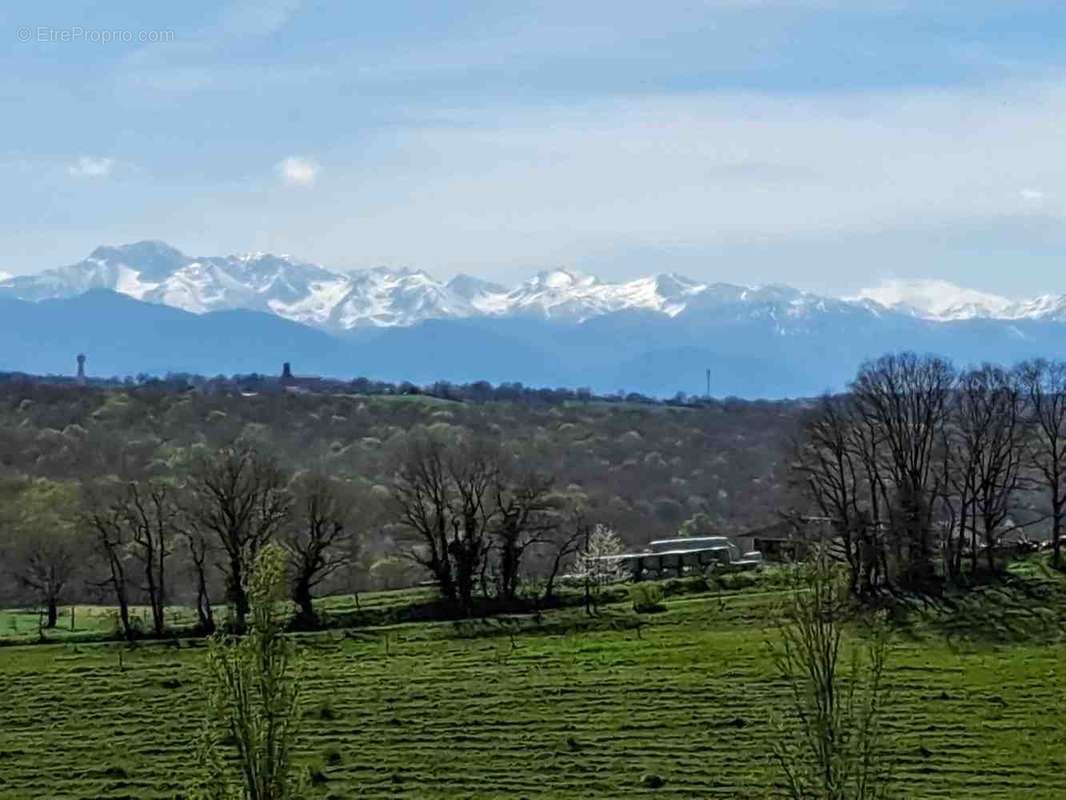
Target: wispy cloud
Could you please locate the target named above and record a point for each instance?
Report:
(297, 171)
(257, 17)
(90, 167)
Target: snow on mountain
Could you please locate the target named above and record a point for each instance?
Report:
(1048, 307)
(937, 299)
(314, 295)
(563, 295)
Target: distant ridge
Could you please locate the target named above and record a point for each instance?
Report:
(338, 301)
(772, 343)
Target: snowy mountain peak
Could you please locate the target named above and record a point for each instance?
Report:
(469, 287)
(311, 294)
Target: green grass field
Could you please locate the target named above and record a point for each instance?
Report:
(563, 707)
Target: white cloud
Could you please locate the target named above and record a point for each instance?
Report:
(298, 171)
(257, 17)
(1032, 195)
(89, 167)
(937, 298)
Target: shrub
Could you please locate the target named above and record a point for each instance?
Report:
(835, 747)
(254, 701)
(647, 598)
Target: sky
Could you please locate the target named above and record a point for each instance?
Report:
(829, 145)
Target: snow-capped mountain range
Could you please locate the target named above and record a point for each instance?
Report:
(340, 301)
(147, 307)
(943, 301)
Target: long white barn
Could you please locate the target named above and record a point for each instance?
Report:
(673, 556)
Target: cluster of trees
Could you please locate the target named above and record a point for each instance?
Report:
(122, 537)
(922, 471)
(479, 525)
(461, 512)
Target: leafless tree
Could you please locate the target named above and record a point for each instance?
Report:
(422, 496)
(525, 518)
(238, 497)
(317, 540)
(445, 497)
(199, 552)
(1044, 384)
(133, 534)
(473, 471)
(152, 515)
(111, 542)
(832, 476)
(563, 543)
(990, 413)
(905, 398)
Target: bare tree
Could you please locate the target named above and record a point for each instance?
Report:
(238, 497)
(111, 542)
(989, 418)
(317, 541)
(1044, 383)
(422, 496)
(444, 497)
(152, 515)
(905, 399)
(563, 543)
(832, 476)
(526, 517)
(199, 551)
(473, 472)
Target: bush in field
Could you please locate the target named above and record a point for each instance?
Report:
(834, 749)
(647, 598)
(253, 701)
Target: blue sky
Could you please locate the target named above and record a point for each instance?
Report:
(829, 145)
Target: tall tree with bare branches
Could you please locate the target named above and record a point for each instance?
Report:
(444, 497)
(905, 398)
(239, 497)
(525, 518)
(152, 514)
(1044, 383)
(317, 539)
(989, 417)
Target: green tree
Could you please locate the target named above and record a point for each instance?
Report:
(834, 749)
(44, 551)
(254, 699)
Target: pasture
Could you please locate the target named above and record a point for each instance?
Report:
(679, 704)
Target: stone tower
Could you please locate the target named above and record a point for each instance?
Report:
(81, 369)
(286, 373)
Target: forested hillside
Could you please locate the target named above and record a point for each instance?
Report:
(642, 469)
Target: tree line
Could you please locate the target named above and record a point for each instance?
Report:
(464, 514)
(124, 538)
(921, 472)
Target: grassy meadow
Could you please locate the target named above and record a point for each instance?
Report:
(556, 706)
